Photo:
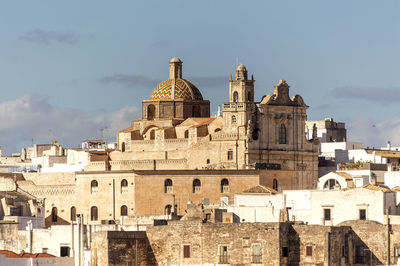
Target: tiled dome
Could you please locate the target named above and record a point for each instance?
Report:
(176, 89)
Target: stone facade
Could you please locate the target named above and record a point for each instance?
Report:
(267, 134)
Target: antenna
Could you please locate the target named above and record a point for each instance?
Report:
(237, 61)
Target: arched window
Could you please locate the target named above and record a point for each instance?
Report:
(224, 185)
(124, 210)
(168, 209)
(124, 186)
(233, 119)
(275, 184)
(186, 134)
(73, 213)
(94, 186)
(249, 98)
(123, 147)
(217, 130)
(196, 186)
(330, 184)
(282, 134)
(54, 215)
(151, 112)
(235, 96)
(94, 213)
(152, 134)
(168, 186)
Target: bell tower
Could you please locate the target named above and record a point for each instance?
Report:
(241, 89)
(241, 107)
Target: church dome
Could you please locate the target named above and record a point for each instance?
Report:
(175, 87)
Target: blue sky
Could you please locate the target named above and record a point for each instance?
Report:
(68, 69)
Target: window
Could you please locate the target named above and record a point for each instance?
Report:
(124, 186)
(64, 251)
(124, 210)
(196, 186)
(331, 184)
(282, 134)
(93, 213)
(362, 214)
(223, 254)
(45, 250)
(235, 96)
(396, 252)
(168, 186)
(123, 147)
(186, 251)
(54, 216)
(285, 252)
(224, 186)
(152, 134)
(208, 161)
(208, 216)
(275, 184)
(168, 209)
(94, 186)
(73, 213)
(230, 155)
(327, 214)
(151, 112)
(256, 253)
(359, 259)
(249, 98)
(233, 119)
(308, 251)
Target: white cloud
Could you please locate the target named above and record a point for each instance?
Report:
(49, 37)
(34, 117)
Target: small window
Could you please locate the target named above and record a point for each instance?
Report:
(93, 213)
(363, 214)
(223, 254)
(73, 213)
(124, 210)
(208, 216)
(285, 252)
(230, 155)
(186, 134)
(186, 251)
(235, 96)
(168, 186)
(233, 119)
(256, 254)
(168, 209)
(45, 250)
(308, 251)
(124, 186)
(275, 184)
(224, 185)
(196, 186)
(396, 252)
(54, 215)
(123, 147)
(282, 134)
(94, 186)
(208, 161)
(64, 251)
(327, 214)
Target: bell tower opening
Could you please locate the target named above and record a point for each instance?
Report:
(151, 112)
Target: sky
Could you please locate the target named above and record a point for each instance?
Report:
(71, 68)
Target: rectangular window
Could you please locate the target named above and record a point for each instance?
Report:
(186, 251)
(223, 254)
(208, 216)
(396, 252)
(230, 155)
(308, 251)
(285, 252)
(45, 250)
(363, 214)
(256, 256)
(327, 214)
(64, 251)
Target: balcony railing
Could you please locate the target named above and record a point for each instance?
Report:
(256, 258)
(223, 259)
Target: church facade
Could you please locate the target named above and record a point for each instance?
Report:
(177, 132)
